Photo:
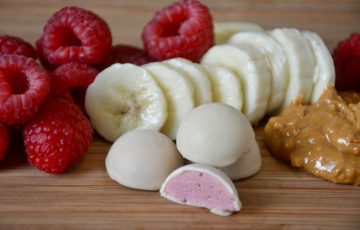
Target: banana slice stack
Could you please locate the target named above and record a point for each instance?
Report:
(258, 72)
(290, 63)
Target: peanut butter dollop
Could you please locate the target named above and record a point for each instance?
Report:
(323, 138)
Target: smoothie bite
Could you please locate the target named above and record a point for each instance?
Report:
(249, 164)
(142, 159)
(215, 134)
(202, 186)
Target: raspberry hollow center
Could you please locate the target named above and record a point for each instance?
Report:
(17, 81)
(171, 30)
(67, 38)
(172, 27)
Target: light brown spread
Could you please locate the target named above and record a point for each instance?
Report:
(323, 138)
(350, 97)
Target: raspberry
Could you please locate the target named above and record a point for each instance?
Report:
(75, 35)
(73, 78)
(347, 63)
(24, 86)
(40, 53)
(58, 137)
(4, 140)
(15, 45)
(126, 54)
(183, 29)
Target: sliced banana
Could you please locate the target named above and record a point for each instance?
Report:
(277, 61)
(198, 77)
(226, 86)
(125, 97)
(224, 30)
(301, 64)
(178, 91)
(324, 74)
(251, 67)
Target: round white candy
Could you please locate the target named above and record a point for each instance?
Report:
(215, 134)
(142, 159)
(247, 165)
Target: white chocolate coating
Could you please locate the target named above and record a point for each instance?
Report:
(142, 159)
(215, 134)
(246, 166)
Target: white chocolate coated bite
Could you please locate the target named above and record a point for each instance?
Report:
(249, 164)
(215, 134)
(202, 186)
(142, 159)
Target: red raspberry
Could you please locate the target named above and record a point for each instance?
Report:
(126, 54)
(75, 35)
(183, 29)
(73, 78)
(347, 63)
(24, 86)
(4, 140)
(15, 45)
(40, 53)
(58, 137)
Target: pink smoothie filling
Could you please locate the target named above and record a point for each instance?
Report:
(200, 189)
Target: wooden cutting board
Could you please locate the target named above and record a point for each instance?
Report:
(278, 197)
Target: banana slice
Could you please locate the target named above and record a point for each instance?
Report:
(250, 66)
(178, 91)
(324, 75)
(226, 86)
(125, 97)
(224, 30)
(198, 77)
(277, 61)
(301, 64)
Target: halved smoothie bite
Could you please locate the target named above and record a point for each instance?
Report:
(202, 186)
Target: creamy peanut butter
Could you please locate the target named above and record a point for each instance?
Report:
(350, 97)
(323, 138)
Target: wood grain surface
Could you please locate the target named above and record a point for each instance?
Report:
(278, 197)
